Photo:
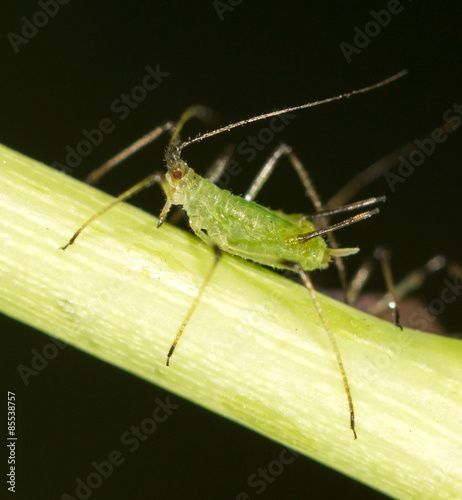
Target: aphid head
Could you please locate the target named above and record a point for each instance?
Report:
(177, 167)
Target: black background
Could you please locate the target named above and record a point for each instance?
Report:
(260, 56)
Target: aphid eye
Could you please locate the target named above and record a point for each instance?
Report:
(177, 174)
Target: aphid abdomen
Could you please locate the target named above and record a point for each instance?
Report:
(250, 231)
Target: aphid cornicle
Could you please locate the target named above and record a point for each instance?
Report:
(239, 226)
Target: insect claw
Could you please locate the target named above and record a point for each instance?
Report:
(170, 352)
(69, 243)
(163, 214)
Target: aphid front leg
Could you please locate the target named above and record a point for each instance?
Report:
(156, 178)
(96, 174)
(150, 180)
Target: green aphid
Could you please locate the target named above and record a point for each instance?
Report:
(239, 226)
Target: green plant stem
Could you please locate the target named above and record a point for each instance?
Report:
(254, 350)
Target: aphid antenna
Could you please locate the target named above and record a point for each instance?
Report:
(264, 116)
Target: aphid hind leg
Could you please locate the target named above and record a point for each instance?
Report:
(285, 150)
(384, 257)
(195, 303)
(359, 280)
(309, 285)
(357, 284)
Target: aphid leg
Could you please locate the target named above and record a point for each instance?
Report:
(196, 301)
(408, 284)
(384, 256)
(267, 169)
(174, 128)
(95, 175)
(308, 284)
(218, 167)
(150, 180)
(362, 275)
(359, 280)
(285, 150)
(310, 191)
(352, 188)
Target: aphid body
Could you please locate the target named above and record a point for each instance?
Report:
(243, 228)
